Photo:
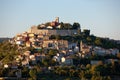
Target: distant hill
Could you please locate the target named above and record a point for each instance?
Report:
(4, 39)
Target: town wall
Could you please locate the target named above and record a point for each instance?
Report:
(52, 32)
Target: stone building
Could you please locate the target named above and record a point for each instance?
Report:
(35, 30)
(55, 44)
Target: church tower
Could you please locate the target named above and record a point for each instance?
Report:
(57, 19)
(81, 45)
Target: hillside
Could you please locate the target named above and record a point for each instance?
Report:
(4, 39)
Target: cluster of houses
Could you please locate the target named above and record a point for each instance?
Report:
(65, 48)
(40, 39)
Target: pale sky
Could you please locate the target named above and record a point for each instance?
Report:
(102, 17)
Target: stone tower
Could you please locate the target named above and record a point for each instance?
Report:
(81, 45)
(57, 19)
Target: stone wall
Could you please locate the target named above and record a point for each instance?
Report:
(52, 32)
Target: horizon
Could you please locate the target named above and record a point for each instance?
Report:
(100, 17)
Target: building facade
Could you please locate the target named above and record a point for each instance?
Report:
(35, 30)
(55, 44)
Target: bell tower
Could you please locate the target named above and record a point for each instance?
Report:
(57, 19)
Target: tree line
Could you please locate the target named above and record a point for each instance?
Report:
(62, 25)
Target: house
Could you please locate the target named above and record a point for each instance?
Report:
(69, 52)
(32, 59)
(42, 26)
(27, 53)
(66, 61)
(55, 44)
(28, 44)
(31, 34)
(25, 34)
(108, 61)
(102, 51)
(25, 63)
(99, 51)
(6, 66)
(114, 51)
(63, 59)
(19, 58)
(95, 62)
(18, 37)
(85, 48)
(56, 58)
(43, 37)
(72, 45)
(11, 65)
(76, 49)
(49, 27)
(59, 26)
(19, 42)
(14, 65)
(31, 39)
(82, 55)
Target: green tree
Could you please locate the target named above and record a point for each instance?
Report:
(82, 74)
(86, 32)
(67, 26)
(52, 52)
(88, 74)
(25, 72)
(68, 79)
(88, 66)
(76, 25)
(58, 37)
(4, 72)
(48, 24)
(71, 72)
(39, 26)
(11, 73)
(8, 51)
(89, 39)
(98, 42)
(33, 73)
(62, 25)
(45, 62)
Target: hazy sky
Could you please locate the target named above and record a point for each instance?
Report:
(102, 17)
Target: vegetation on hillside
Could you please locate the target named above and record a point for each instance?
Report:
(4, 39)
(49, 69)
(8, 52)
(82, 69)
(62, 26)
(89, 39)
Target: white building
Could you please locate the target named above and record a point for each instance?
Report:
(114, 51)
(67, 61)
(99, 51)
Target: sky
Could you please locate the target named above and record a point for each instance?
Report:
(102, 17)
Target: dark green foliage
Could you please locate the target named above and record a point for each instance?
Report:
(52, 52)
(86, 32)
(25, 72)
(33, 73)
(7, 50)
(92, 40)
(76, 25)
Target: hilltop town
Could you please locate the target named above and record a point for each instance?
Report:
(59, 49)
